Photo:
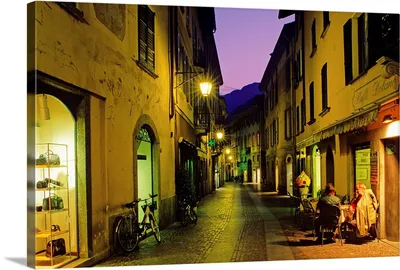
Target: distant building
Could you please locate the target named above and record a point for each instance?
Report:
(245, 125)
(278, 84)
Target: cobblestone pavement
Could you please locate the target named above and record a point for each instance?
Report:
(231, 228)
(302, 242)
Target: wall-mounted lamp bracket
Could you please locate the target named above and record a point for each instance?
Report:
(188, 80)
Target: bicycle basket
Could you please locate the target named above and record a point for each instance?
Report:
(152, 206)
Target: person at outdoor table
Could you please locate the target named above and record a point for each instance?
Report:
(328, 199)
(364, 208)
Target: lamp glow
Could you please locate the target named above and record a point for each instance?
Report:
(228, 151)
(220, 135)
(230, 157)
(205, 88)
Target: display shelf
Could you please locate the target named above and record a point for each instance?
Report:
(46, 218)
(51, 188)
(45, 166)
(42, 256)
(52, 211)
(47, 234)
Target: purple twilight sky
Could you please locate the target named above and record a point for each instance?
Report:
(245, 38)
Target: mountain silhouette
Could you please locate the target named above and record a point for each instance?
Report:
(237, 98)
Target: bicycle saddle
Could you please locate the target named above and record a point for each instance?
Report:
(153, 196)
(132, 204)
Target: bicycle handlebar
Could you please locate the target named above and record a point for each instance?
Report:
(132, 204)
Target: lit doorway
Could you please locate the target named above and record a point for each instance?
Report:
(146, 185)
(316, 174)
(55, 135)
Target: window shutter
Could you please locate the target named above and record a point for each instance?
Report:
(314, 39)
(142, 33)
(324, 86)
(277, 130)
(362, 44)
(348, 57)
(312, 101)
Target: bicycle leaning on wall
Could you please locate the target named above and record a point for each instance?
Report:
(130, 231)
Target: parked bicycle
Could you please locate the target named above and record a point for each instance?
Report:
(187, 213)
(130, 231)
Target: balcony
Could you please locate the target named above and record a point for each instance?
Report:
(201, 119)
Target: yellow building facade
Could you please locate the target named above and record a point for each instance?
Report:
(350, 119)
(104, 84)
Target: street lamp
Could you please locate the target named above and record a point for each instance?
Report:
(205, 88)
(220, 135)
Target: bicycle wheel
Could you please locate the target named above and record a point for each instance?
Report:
(184, 217)
(128, 237)
(193, 215)
(155, 228)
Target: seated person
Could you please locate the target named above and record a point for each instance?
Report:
(363, 210)
(324, 206)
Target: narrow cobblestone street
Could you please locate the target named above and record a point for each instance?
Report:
(241, 223)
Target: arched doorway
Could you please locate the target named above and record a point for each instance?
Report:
(249, 171)
(330, 167)
(145, 160)
(289, 174)
(316, 173)
(55, 133)
(276, 175)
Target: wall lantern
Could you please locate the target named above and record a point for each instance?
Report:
(387, 119)
(228, 151)
(220, 135)
(205, 88)
(230, 157)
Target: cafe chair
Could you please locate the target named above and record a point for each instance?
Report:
(295, 207)
(307, 214)
(330, 224)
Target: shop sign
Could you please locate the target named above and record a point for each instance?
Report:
(374, 168)
(374, 90)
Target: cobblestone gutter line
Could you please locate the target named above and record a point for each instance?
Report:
(250, 245)
(224, 206)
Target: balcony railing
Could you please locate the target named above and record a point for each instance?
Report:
(201, 117)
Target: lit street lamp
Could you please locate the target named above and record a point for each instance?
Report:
(205, 88)
(220, 135)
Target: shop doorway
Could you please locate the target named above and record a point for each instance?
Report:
(249, 171)
(146, 184)
(289, 174)
(392, 188)
(316, 173)
(55, 135)
(330, 167)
